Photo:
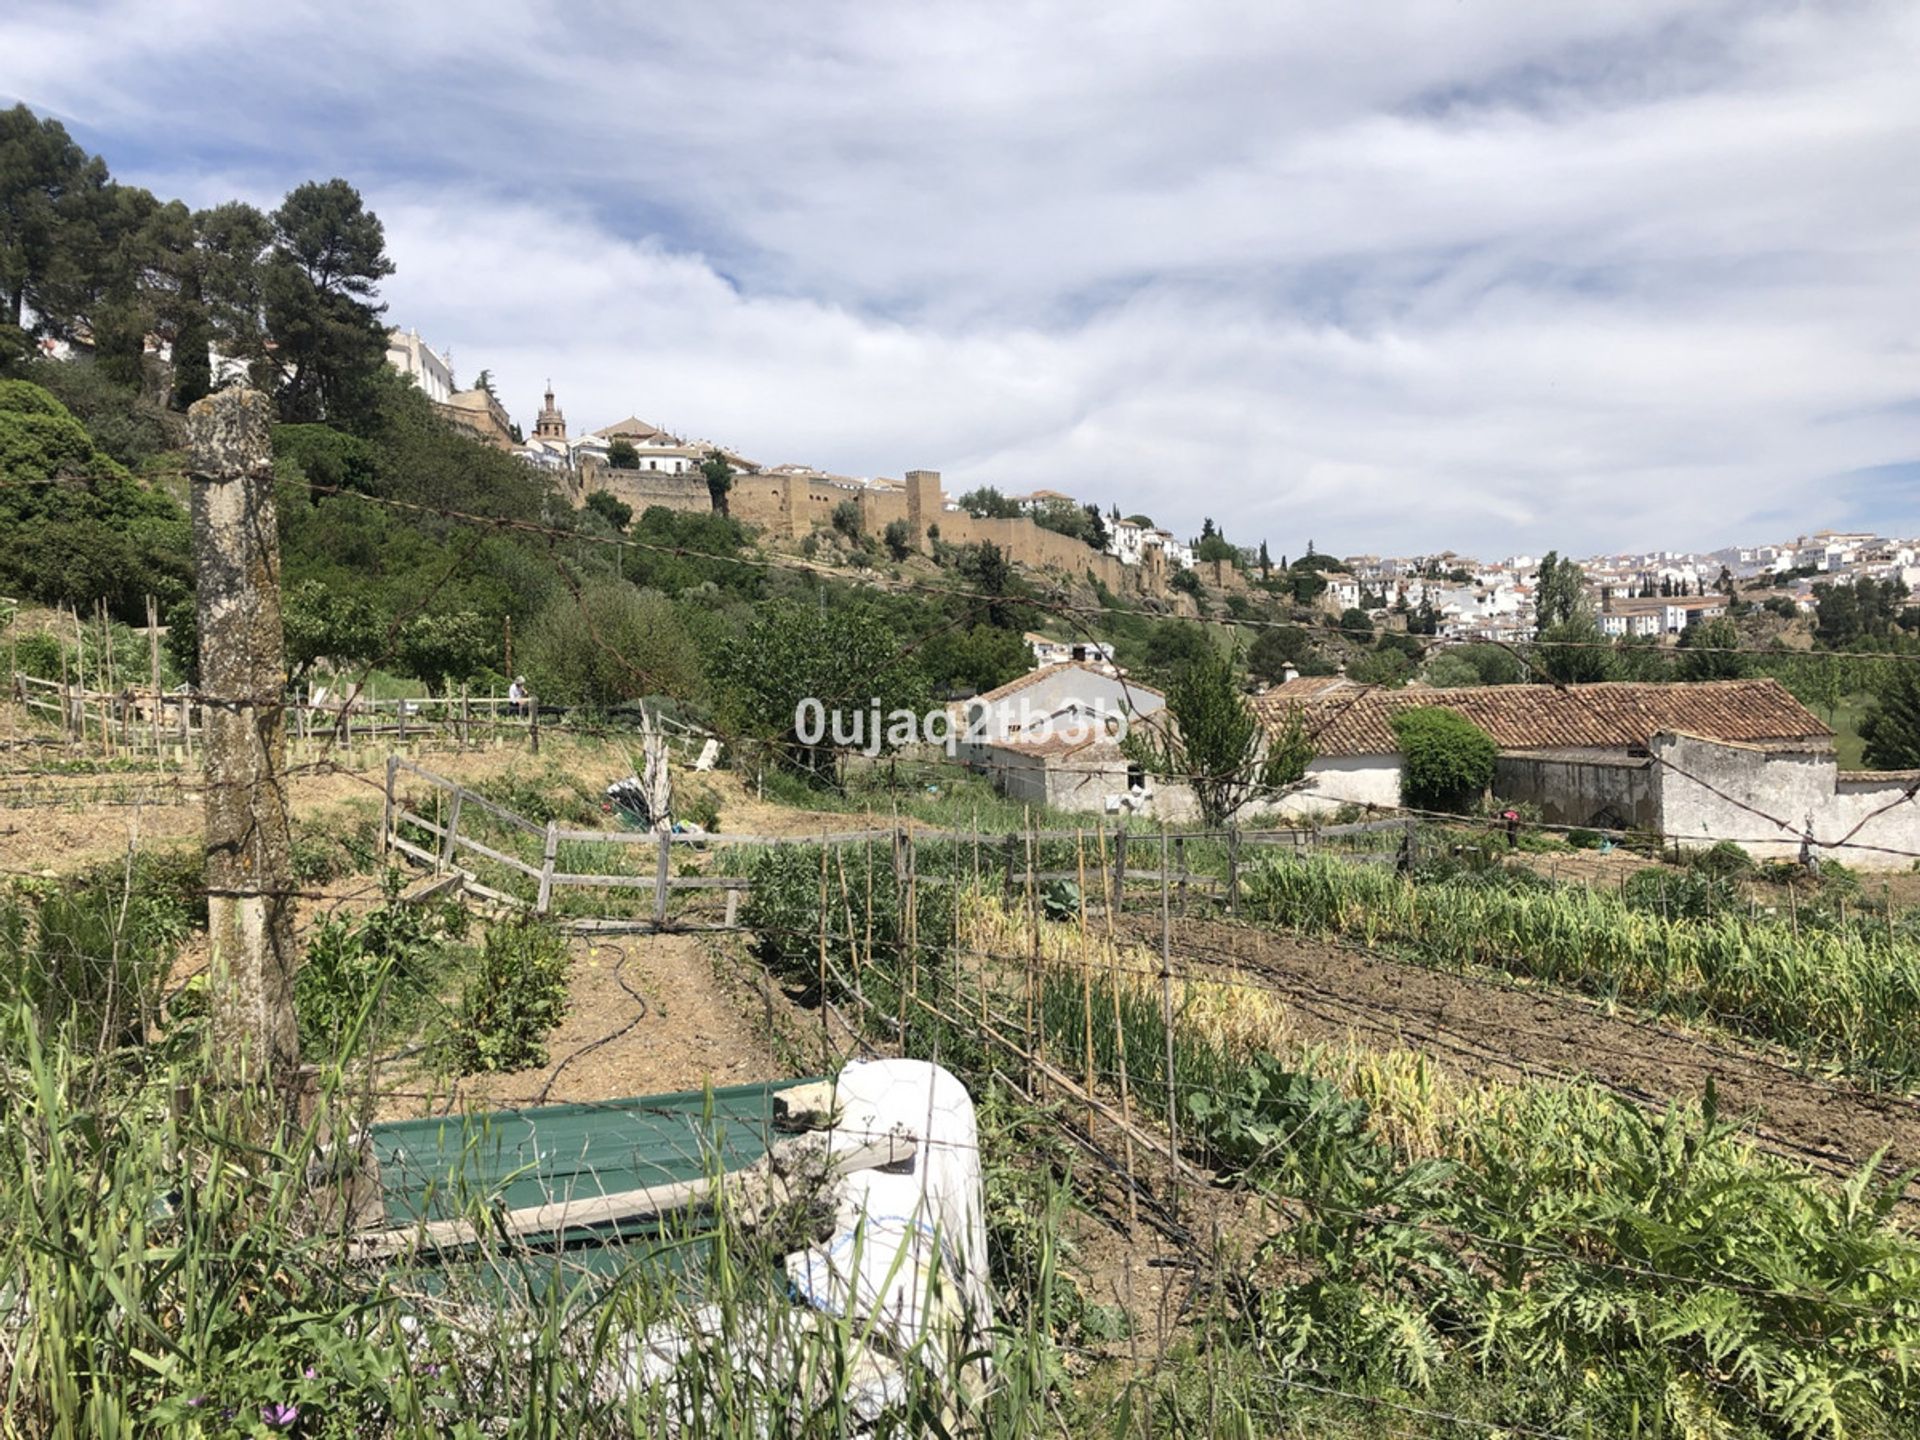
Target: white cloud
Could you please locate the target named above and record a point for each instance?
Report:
(1491, 277)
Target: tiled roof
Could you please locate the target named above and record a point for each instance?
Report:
(1356, 721)
(1308, 687)
(1021, 682)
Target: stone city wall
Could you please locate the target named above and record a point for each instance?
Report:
(793, 506)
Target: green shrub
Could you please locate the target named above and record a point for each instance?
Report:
(1724, 859)
(698, 805)
(1584, 839)
(1446, 761)
(513, 1001)
(40, 654)
(381, 968)
(1682, 895)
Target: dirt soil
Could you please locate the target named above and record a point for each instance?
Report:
(104, 814)
(649, 1015)
(1483, 1028)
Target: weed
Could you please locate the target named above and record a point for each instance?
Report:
(515, 998)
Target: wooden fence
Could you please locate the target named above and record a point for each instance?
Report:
(447, 842)
(171, 725)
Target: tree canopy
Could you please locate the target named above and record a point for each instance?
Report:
(1216, 743)
(1446, 761)
(1891, 726)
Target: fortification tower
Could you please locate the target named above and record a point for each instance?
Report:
(924, 504)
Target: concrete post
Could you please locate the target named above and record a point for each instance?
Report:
(243, 679)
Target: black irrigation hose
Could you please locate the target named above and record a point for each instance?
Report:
(640, 1013)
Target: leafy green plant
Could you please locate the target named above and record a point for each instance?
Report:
(1723, 858)
(382, 967)
(698, 804)
(515, 997)
(1446, 761)
(1685, 895)
(90, 955)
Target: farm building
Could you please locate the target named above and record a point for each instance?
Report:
(1051, 737)
(1721, 760)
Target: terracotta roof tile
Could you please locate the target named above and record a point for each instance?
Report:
(1544, 717)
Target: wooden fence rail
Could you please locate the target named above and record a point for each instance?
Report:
(451, 844)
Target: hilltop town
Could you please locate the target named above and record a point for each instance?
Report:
(1655, 595)
(550, 924)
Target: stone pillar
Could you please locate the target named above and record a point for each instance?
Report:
(243, 681)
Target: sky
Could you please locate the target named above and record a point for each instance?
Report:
(1411, 275)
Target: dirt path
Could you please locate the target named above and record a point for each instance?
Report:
(649, 1015)
(1483, 1028)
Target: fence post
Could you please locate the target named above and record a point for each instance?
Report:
(153, 668)
(547, 854)
(1120, 870)
(1086, 971)
(660, 883)
(912, 918)
(248, 844)
(386, 811)
(1233, 871)
(533, 727)
(1166, 1024)
(1035, 1045)
(453, 829)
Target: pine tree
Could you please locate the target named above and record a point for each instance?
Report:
(1891, 726)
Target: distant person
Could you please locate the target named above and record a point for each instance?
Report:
(1512, 817)
(517, 695)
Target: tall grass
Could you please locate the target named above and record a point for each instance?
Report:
(173, 1265)
(1849, 994)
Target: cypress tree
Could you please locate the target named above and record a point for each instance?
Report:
(192, 359)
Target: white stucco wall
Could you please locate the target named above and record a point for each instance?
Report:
(1333, 781)
(1712, 792)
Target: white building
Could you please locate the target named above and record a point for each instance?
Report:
(1344, 591)
(1048, 651)
(1579, 752)
(1125, 540)
(412, 357)
(659, 451)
